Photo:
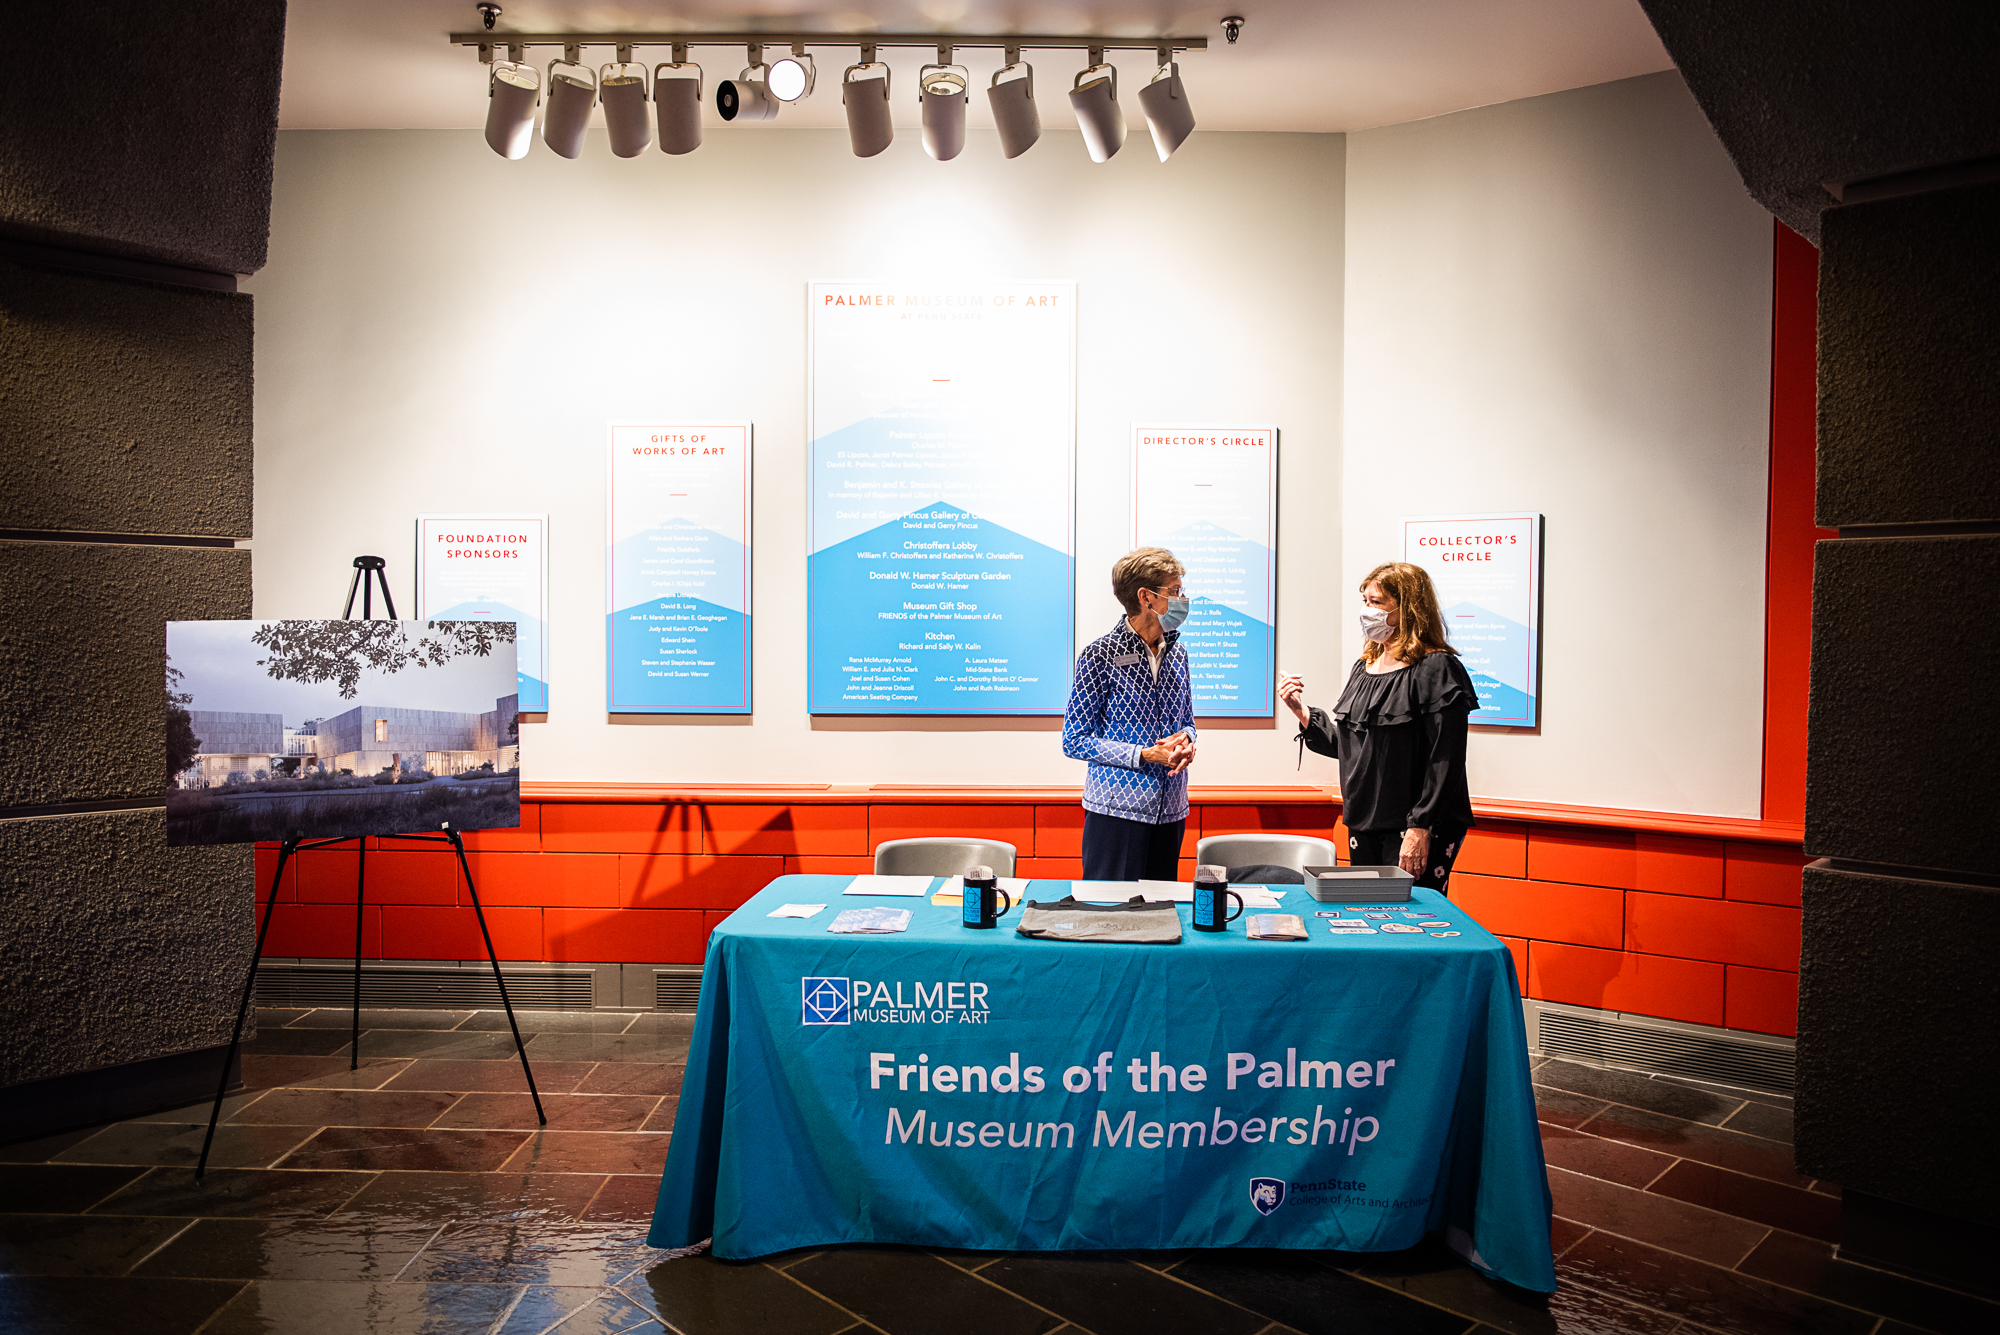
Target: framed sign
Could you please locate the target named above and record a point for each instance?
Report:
(491, 568)
(1209, 494)
(941, 432)
(1488, 572)
(677, 579)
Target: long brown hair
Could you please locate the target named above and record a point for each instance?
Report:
(1419, 624)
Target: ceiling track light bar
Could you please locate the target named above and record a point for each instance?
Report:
(488, 42)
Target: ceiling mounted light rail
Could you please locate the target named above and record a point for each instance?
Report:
(515, 88)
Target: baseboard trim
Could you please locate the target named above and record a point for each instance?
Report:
(111, 1093)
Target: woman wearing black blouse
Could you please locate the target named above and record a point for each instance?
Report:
(1399, 731)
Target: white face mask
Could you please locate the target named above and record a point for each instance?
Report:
(1375, 625)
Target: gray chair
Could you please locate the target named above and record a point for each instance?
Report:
(1264, 850)
(942, 857)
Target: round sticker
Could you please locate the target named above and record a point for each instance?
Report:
(1400, 927)
(1432, 922)
(1444, 933)
(1351, 931)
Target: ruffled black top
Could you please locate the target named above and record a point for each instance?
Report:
(1400, 738)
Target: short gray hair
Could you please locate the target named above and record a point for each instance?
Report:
(1143, 568)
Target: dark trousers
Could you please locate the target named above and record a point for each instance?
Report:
(1116, 849)
(1381, 848)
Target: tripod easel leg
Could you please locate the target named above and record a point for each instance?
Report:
(458, 844)
(243, 1007)
(360, 887)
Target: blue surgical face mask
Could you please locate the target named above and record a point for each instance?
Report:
(1176, 613)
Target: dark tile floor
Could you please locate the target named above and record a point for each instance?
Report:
(417, 1195)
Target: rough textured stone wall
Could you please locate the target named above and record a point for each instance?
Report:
(1897, 1011)
(132, 133)
(119, 948)
(1802, 94)
(144, 130)
(124, 406)
(83, 661)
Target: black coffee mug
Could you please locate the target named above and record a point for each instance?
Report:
(1211, 886)
(981, 898)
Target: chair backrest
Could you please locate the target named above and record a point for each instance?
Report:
(942, 857)
(1252, 850)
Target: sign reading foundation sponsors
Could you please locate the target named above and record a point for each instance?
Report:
(1488, 573)
(947, 1087)
(941, 435)
(1209, 494)
(491, 568)
(677, 621)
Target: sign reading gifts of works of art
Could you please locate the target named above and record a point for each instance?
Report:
(677, 633)
(1488, 572)
(941, 430)
(491, 568)
(1209, 494)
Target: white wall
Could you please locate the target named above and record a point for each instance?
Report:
(1562, 304)
(442, 330)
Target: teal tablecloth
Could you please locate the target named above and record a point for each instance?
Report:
(1350, 1091)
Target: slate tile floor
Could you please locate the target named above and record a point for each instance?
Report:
(417, 1195)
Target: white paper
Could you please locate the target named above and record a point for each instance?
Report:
(889, 885)
(955, 885)
(1103, 892)
(1257, 897)
(1167, 892)
(795, 911)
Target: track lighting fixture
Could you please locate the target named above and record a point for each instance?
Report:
(791, 78)
(677, 103)
(864, 91)
(1165, 103)
(622, 89)
(513, 90)
(1012, 97)
(1094, 98)
(571, 97)
(943, 91)
(747, 97)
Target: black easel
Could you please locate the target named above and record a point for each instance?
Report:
(364, 566)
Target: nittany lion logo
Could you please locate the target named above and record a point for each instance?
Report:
(824, 1000)
(1266, 1193)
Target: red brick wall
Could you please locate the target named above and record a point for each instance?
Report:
(1688, 928)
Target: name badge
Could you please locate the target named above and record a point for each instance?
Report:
(1125, 660)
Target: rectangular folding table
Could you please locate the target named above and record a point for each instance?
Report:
(948, 1086)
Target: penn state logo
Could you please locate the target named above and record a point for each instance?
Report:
(1267, 1194)
(823, 1000)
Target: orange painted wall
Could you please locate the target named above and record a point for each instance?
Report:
(1671, 925)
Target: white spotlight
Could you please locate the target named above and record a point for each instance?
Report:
(747, 97)
(943, 87)
(1094, 98)
(1012, 96)
(571, 96)
(623, 89)
(512, 91)
(677, 104)
(1165, 103)
(791, 77)
(869, 127)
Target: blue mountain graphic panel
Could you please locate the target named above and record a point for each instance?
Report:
(938, 612)
(1229, 661)
(675, 655)
(1500, 654)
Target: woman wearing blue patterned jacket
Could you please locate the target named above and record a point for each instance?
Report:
(1131, 715)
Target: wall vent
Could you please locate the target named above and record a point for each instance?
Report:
(425, 987)
(676, 989)
(1663, 1047)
